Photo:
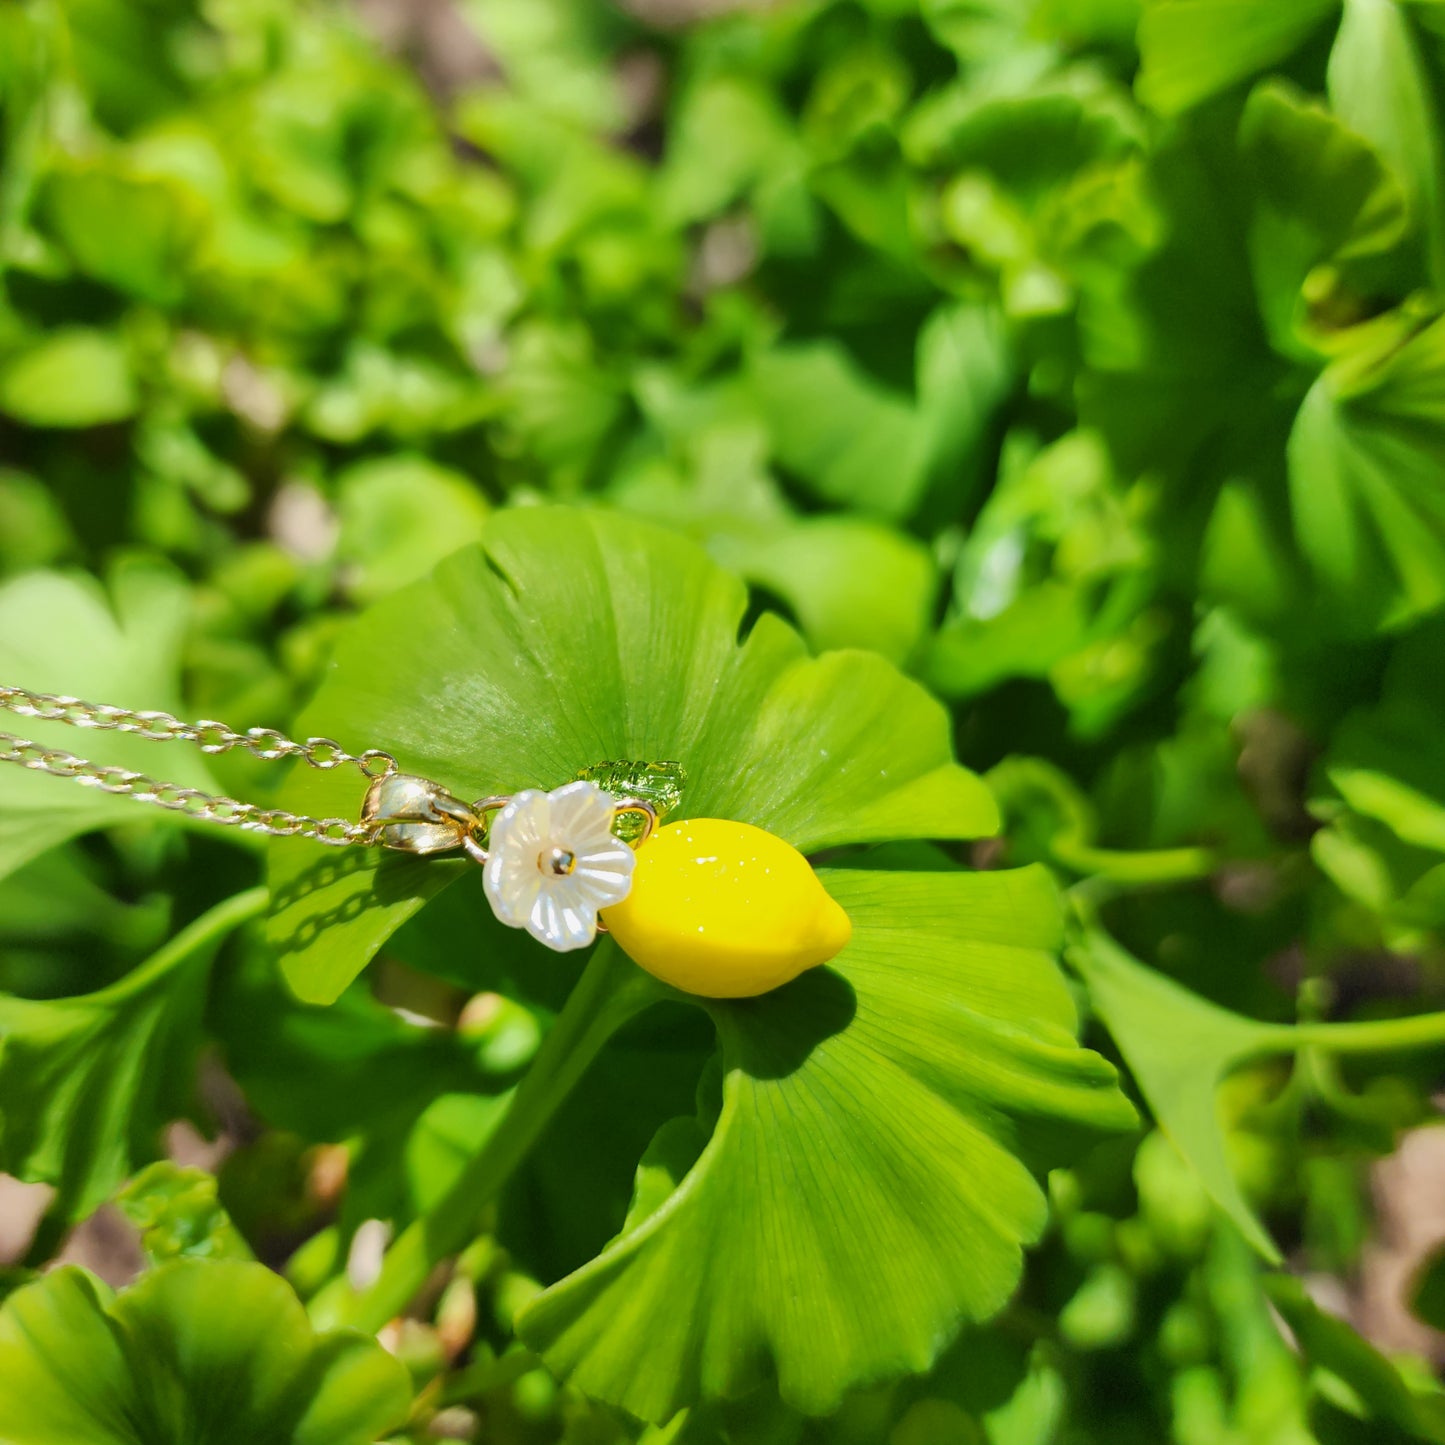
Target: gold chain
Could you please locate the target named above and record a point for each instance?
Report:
(211, 737)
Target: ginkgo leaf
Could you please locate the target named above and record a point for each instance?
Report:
(61, 634)
(1179, 1047)
(1331, 1345)
(870, 1180)
(568, 639)
(196, 1353)
(1369, 509)
(883, 1120)
(1320, 194)
(1192, 49)
(86, 1083)
(1382, 85)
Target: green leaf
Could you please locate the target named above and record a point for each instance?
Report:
(1384, 840)
(975, 30)
(60, 633)
(569, 639)
(1052, 582)
(1427, 1291)
(382, 1071)
(34, 530)
(178, 1213)
(850, 582)
(87, 1083)
(193, 1354)
(869, 1180)
(1385, 765)
(1322, 194)
(852, 440)
(1364, 474)
(1381, 87)
(1192, 49)
(1178, 1047)
(399, 517)
(726, 135)
(856, 442)
(134, 233)
(1331, 1345)
(71, 378)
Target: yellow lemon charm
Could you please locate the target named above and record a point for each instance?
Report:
(725, 910)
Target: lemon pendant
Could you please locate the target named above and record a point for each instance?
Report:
(725, 910)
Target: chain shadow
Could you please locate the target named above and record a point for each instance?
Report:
(370, 880)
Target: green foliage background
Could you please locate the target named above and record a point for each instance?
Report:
(1078, 362)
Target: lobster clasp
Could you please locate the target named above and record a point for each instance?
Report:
(416, 815)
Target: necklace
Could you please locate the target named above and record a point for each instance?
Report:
(714, 907)
(552, 860)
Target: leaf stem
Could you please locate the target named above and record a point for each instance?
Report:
(211, 926)
(202, 934)
(1364, 1037)
(611, 991)
(1140, 866)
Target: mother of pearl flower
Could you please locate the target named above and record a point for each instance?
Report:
(553, 861)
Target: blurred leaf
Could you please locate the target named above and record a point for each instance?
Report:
(89, 1082)
(1427, 1291)
(848, 581)
(1324, 195)
(1191, 49)
(727, 134)
(384, 1072)
(178, 1214)
(34, 531)
(976, 29)
(1384, 840)
(1052, 582)
(1380, 86)
(71, 378)
(560, 401)
(1032, 141)
(849, 1112)
(404, 396)
(60, 633)
(569, 628)
(193, 1354)
(1330, 1344)
(1363, 472)
(854, 441)
(399, 517)
(857, 443)
(130, 232)
(122, 55)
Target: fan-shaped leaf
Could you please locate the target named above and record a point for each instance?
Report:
(194, 1354)
(1192, 49)
(1179, 1046)
(1380, 85)
(1364, 473)
(867, 1185)
(870, 1180)
(569, 639)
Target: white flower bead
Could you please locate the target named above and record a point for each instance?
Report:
(553, 861)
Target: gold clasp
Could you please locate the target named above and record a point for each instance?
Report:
(412, 814)
(416, 815)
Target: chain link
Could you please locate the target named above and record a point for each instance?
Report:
(211, 737)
